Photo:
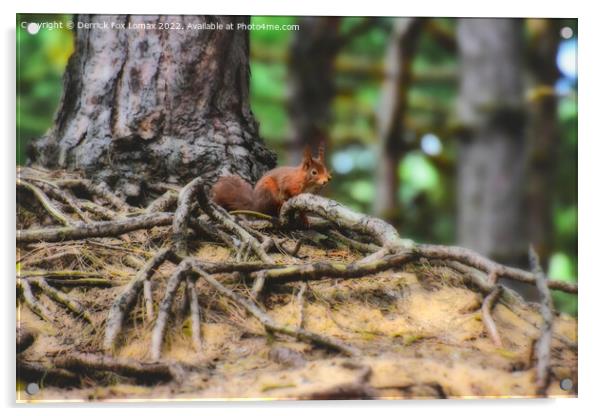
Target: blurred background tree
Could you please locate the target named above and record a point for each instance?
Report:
(330, 80)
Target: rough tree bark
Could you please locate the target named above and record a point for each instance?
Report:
(492, 151)
(313, 52)
(543, 135)
(143, 106)
(393, 106)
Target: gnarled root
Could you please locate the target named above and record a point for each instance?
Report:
(544, 343)
(383, 247)
(126, 299)
(487, 308)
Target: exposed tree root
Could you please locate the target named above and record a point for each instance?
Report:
(95, 229)
(148, 300)
(182, 215)
(54, 211)
(62, 196)
(164, 203)
(99, 189)
(83, 282)
(165, 309)
(195, 315)
(100, 211)
(196, 189)
(195, 215)
(317, 271)
(31, 302)
(59, 274)
(473, 259)
(127, 298)
(544, 343)
(53, 294)
(357, 245)
(62, 299)
(487, 309)
(273, 326)
(384, 234)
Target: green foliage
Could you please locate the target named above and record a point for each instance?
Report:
(363, 191)
(563, 267)
(271, 37)
(267, 99)
(41, 60)
(418, 174)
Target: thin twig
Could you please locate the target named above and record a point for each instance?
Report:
(252, 213)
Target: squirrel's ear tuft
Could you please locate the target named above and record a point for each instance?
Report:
(321, 151)
(307, 156)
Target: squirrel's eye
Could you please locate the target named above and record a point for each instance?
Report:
(314, 172)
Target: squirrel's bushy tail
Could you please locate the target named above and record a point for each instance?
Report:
(233, 193)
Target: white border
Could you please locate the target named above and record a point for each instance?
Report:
(590, 156)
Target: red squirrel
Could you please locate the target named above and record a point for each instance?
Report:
(274, 188)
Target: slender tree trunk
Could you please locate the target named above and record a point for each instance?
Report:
(313, 52)
(492, 153)
(142, 106)
(391, 114)
(543, 135)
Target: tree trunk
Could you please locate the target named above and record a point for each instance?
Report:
(393, 107)
(313, 52)
(543, 135)
(142, 106)
(492, 152)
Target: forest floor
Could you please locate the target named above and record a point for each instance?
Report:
(419, 330)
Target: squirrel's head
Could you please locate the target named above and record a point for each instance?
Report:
(316, 173)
